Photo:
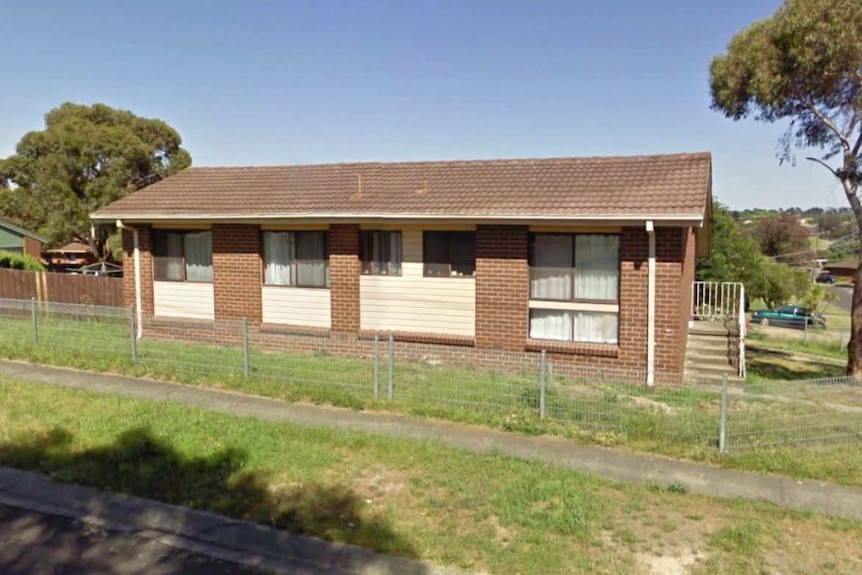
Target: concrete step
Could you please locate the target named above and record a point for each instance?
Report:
(705, 343)
(710, 369)
(711, 379)
(712, 356)
(713, 328)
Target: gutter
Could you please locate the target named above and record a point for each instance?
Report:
(650, 378)
(139, 314)
(361, 217)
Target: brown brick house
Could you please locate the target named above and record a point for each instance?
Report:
(591, 259)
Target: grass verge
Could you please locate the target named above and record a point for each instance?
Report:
(483, 513)
(675, 421)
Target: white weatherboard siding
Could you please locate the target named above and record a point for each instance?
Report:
(183, 299)
(414, 303)
(296, 306)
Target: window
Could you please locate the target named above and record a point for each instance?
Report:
(183, 256)
(296, 259)
(449, 254)
(381, 253)
(581, 272)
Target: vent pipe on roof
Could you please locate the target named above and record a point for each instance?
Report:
(650, 377)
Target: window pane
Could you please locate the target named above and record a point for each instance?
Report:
(278, 257)
(551, 269)
(597, 267)
(462, 253)
(199, 256)
(551, 324)
(168, 256)
(435, 252)
(381, 253)
(394, 253)
(311, 259)
(595, 327)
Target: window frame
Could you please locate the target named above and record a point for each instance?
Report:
(574, 235)
(183, 234)
(448, 234)
(294, 275)
(368, 266)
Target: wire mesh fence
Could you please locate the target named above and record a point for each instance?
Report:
(524, 391)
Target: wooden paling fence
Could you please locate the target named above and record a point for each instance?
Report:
(61, 288)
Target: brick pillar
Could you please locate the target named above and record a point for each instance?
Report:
(237, 272)
(689, 261)
(634, 267)
(670, 337)
(344, 269)
(145, 243)
(31, 247)
(502, 287)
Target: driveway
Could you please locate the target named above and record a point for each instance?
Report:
(845, 296)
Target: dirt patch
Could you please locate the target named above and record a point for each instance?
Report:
(654, 405)
(380, 482)
(679, 563)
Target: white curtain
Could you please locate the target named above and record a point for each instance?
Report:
(551, 324)
(597, 267)
(199, 257)
(170, 265)
(594, 327)
(311, 263)
(551, 272)
(278, 256)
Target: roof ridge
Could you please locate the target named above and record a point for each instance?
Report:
(633, 157)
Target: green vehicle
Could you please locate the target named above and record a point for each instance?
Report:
(789, 316)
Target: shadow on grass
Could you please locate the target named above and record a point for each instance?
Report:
(774, 364)
(138, 463)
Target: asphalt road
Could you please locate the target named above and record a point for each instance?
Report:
(40, 544)
(845, 296)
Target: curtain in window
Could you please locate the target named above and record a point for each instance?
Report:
(311, 260)
(596, 327)
(597, 267)
(551, 324)
(551, 272)
(278, 256)
(199, 257)
(169, 257)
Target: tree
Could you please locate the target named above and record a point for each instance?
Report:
(804, 65)
(85, 158)
(783, 238)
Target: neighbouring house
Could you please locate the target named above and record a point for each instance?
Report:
(842, 268)
(69, 257)
(20, 241)
(591, 259)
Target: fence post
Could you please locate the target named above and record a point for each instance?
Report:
(722, 428)
(133, 334)
(34, 314)
(391, 393)
(246, 352)
(376, 367)
(542, 387)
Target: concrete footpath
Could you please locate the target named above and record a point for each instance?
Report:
(613, 464)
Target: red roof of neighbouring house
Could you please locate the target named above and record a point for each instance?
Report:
(639, 187)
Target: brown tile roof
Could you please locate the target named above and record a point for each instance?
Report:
(637, 186)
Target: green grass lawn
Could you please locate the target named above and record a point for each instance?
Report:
(675, 421)
(481, 513)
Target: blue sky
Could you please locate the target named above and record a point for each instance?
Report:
(301, 81)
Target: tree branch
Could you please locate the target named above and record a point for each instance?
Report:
(828, 123)
(857, 147)
(825, 165)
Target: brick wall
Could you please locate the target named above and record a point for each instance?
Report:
(145, 243)
(634, 285)
(237, 272)
(671, 327)
(344, 269)
(502, 287)
(689, 262)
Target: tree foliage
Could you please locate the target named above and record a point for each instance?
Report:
(735, 255)
(84, 158)
(783, 238)
(803, 65)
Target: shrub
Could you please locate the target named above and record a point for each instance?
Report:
(13, 261)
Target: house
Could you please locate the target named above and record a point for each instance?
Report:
(20, 241)
(70, 256)
(842, 269)
(591, 259)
